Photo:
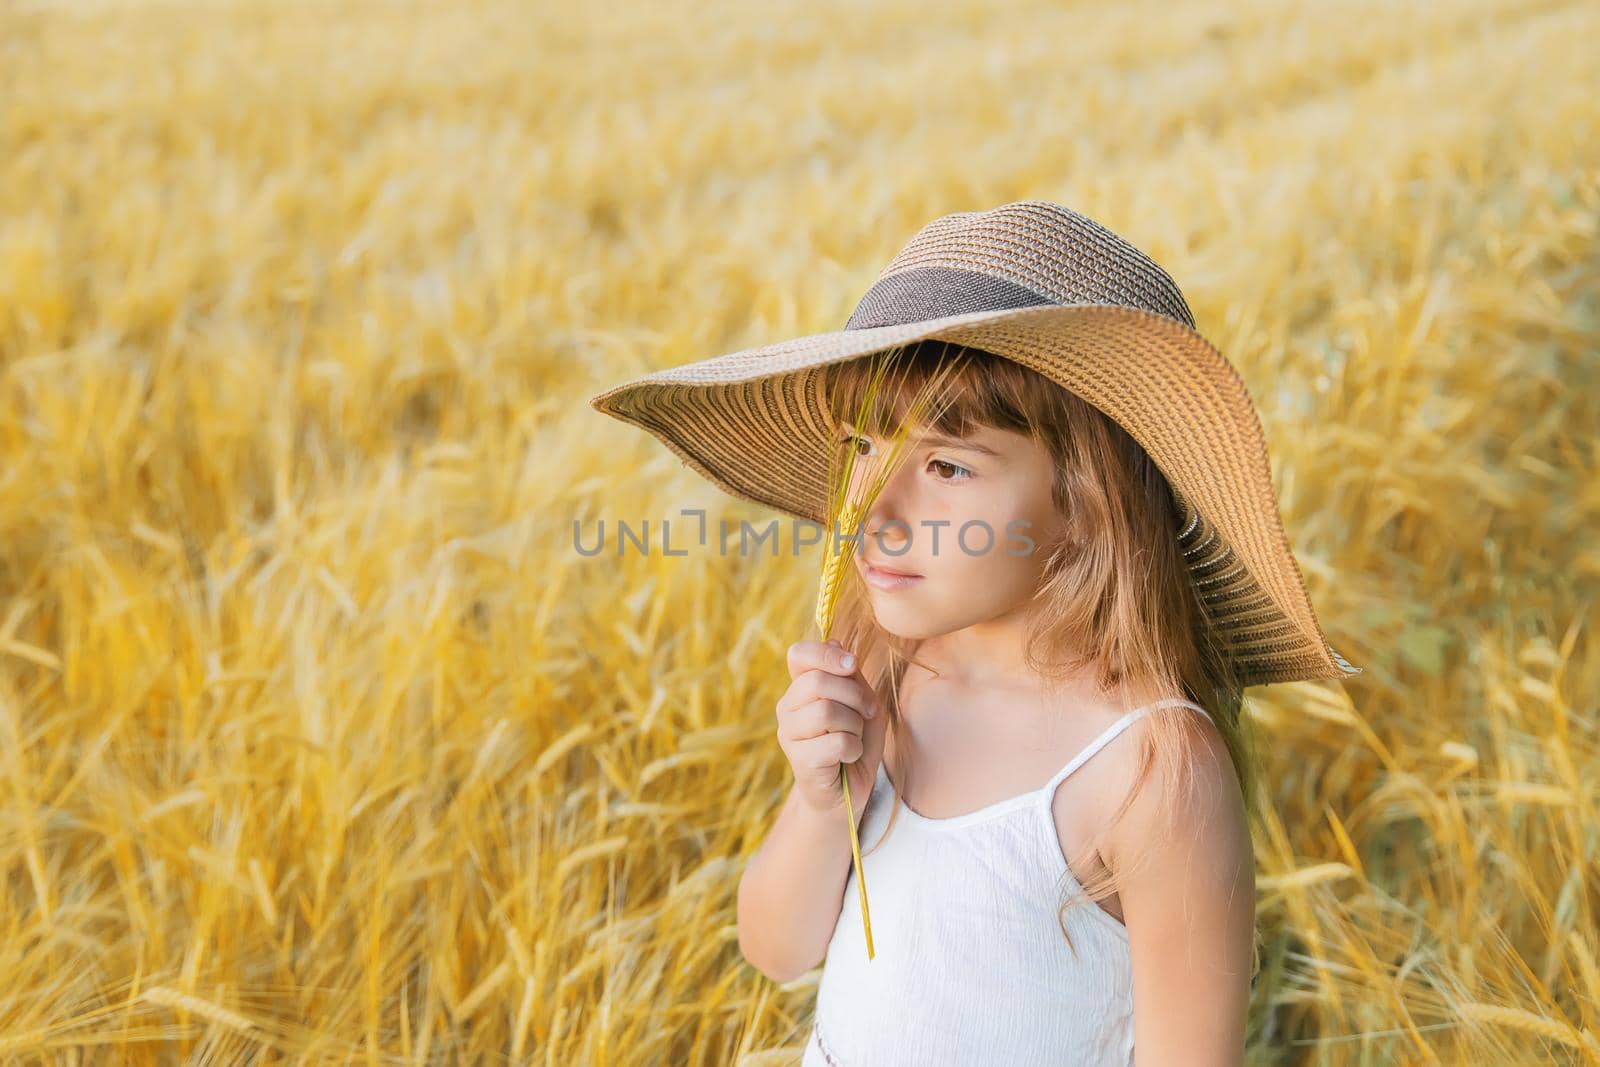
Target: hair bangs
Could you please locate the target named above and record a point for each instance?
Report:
(980, 389)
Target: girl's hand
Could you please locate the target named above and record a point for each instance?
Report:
(830, 715)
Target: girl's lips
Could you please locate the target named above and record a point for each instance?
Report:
(883, 578)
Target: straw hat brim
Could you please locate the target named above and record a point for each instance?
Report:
(756, 423)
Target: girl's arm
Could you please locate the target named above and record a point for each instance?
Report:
(792, 891)
(1187, 889)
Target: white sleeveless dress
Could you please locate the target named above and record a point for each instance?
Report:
(970, 966)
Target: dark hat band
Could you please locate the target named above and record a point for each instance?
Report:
(935, 292)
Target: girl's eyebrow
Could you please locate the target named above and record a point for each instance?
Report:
(961, 442)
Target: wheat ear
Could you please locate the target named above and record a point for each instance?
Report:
(848, 513)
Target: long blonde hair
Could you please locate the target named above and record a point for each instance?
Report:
(1116, 598)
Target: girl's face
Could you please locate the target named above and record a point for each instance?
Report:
(968, 517)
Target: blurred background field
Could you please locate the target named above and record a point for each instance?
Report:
(320, 743)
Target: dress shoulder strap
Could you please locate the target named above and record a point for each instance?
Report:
(1108, 735)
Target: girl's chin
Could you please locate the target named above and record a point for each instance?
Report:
(905, 623)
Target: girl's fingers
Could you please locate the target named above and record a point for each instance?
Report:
(819, 718)
(819, 656)
(820, 685)
(828, 751)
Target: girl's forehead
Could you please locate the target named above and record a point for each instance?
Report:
(990, 440)
(913, 431)
(922, 429)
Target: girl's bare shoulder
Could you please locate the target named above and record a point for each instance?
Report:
(1195, 797)
(1087, 803)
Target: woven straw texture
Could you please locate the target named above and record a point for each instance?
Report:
(1056, 292)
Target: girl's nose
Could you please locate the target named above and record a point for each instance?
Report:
(888, 524)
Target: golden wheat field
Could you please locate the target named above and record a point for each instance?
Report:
(320, 743)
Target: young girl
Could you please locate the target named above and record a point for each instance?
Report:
(1035, 690)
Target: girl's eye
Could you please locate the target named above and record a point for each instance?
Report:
(962, 475)
(855, 440)
(956, 472)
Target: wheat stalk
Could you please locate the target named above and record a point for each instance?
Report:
(845, 513)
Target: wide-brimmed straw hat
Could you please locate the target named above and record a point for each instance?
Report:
(1055, 291)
